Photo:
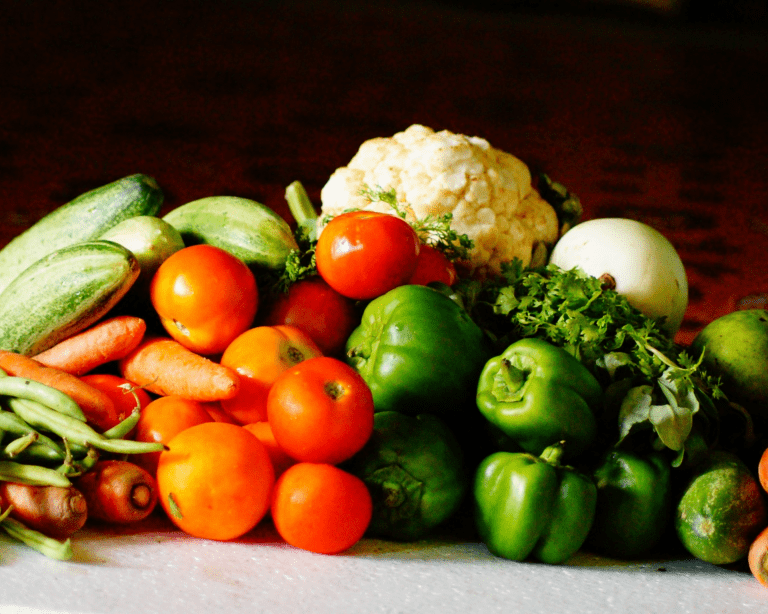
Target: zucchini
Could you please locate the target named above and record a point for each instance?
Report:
(85, 218)
(64, 293)
(245, 228)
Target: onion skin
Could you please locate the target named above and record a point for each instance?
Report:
(642, 263)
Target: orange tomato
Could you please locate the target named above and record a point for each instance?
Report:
(205, 297)
(215, 481)
(162, 420)
(259, 355)
(280, 460)
(123, 400)
(217, 413)
(321, 411)
(321, 508)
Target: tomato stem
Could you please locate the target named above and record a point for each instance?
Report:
(334, 390)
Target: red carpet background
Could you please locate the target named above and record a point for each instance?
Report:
(659, 121)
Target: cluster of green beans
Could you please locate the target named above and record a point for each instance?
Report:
(45, 440)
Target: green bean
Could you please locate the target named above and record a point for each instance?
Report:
(24, 388)
(125, 426)
(38, 453)
(74, 431)
(35, 475)
(52, 548)
(15, 425)
(18, 445)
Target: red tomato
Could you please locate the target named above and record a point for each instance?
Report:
(320, 411)
(263, 431)
(433, 265)
(321, 508)
(124, 400)
(364, 254)
(205, 297)
(312, 306)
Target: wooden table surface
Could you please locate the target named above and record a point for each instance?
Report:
(650, 119)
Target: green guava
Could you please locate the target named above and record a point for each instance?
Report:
(735, 348)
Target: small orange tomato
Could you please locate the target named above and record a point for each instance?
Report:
(321, 508)
(162, 420)
(762, 470)
(263, 431)
(124, 400)
(757, 557)
(321, 411)
(313, 306)
(205, 297)
(215, 481)
(259, 355)
(433, 265)
(217, 413)
(364, 254)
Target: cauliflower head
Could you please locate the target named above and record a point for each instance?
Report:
(488, 192)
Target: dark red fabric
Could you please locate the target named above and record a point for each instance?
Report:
(663, 123)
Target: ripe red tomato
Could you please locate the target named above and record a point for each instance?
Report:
(321, 508)
(320, 411)
(433, 265)
(124, 399)
(363, 254)
(205, 297)
(312, 306)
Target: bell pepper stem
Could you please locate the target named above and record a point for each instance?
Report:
(553, 453)
(508, 381)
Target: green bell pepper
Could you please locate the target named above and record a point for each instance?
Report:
(414, 469)
(634, 503)
(538, 394)
(533, 507)
(419, 352)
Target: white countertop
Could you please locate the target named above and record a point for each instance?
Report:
(157, 569)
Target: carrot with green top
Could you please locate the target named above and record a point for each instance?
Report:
(107, 341)
(163, 366)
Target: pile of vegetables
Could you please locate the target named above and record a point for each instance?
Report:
(396, 362)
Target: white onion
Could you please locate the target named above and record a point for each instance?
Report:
(642, 263)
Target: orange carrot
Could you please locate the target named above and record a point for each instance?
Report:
(103, 342)
(118, 491)
(96, 405)
(164, 366)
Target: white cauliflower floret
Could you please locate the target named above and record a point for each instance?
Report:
(488, 192)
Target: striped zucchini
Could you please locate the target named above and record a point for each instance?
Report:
(85, 218)
(245, 228)
(64, 293)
